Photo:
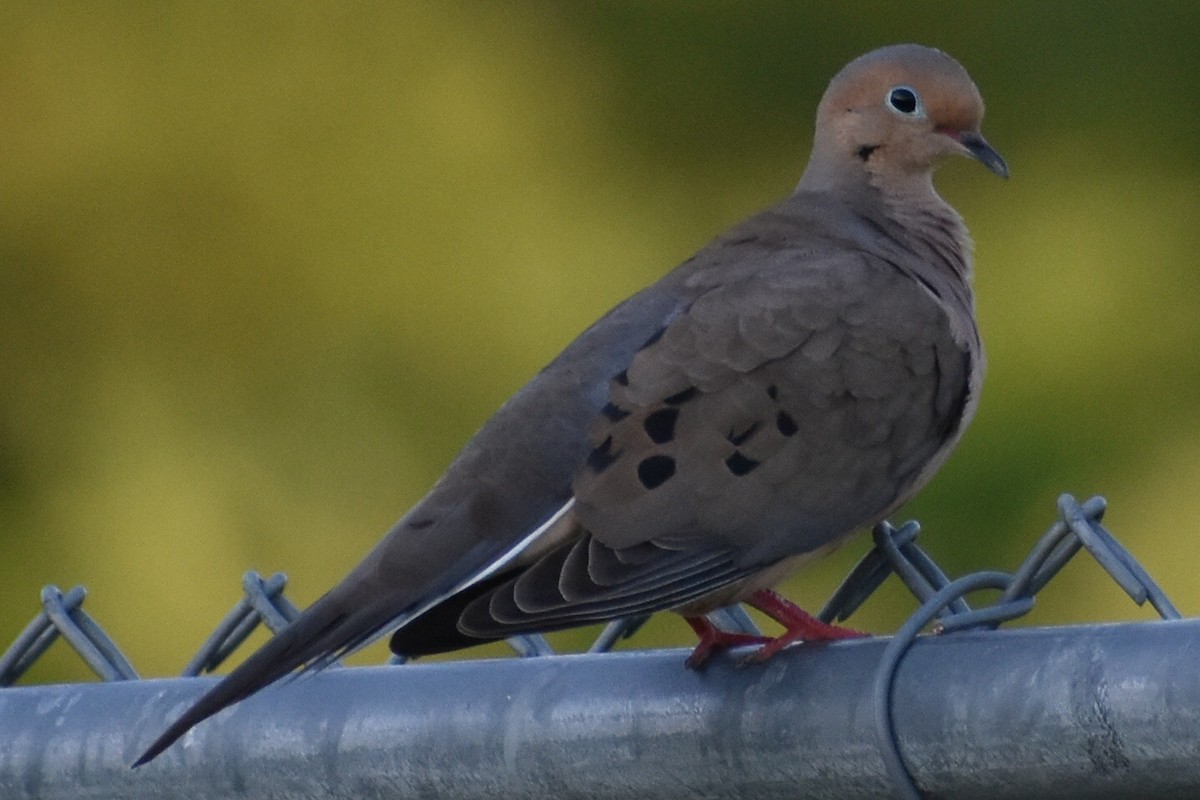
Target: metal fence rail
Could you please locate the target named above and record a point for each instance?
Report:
(1099, 711)
(1104, 711)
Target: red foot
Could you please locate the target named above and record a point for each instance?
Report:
(799, 625)
(713, 639)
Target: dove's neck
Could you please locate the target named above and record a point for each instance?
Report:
(907, 200)
(922, 232)
(904, 221)
(928, 221)
(906, 208)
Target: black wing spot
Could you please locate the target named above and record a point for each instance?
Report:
(602, 457)
(786, 425)
(622, 378)
(614, 412)
(738, 439)
(739, 465)
(660, 426)
(679, 398)
(419, 524)
(654, 337)
(773, 392)
(655, 470)
(865, 151)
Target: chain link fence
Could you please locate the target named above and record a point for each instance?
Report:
(423, 735)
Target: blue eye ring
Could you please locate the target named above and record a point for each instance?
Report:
(905, 101)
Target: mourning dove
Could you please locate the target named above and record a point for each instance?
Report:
(793, 382)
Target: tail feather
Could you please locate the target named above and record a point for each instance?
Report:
(362, 606)
(324, 629)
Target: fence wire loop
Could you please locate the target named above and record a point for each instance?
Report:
(1078, 527)
(263, 602)
(62, 615)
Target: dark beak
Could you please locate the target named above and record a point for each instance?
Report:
(983, 152)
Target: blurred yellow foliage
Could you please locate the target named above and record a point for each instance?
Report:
(263, 269)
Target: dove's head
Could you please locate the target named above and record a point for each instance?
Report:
(892, 115)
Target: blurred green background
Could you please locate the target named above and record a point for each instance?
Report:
(264, 269)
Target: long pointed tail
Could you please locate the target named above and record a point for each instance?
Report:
(324, 629)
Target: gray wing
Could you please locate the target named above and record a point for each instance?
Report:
(512, 478)
(781, 410)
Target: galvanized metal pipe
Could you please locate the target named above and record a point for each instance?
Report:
(1107, 711)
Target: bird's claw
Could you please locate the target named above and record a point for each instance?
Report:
(713, 639)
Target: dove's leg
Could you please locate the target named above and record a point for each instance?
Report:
(799, 625)
(713, 639)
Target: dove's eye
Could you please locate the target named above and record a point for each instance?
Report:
(904, 100)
